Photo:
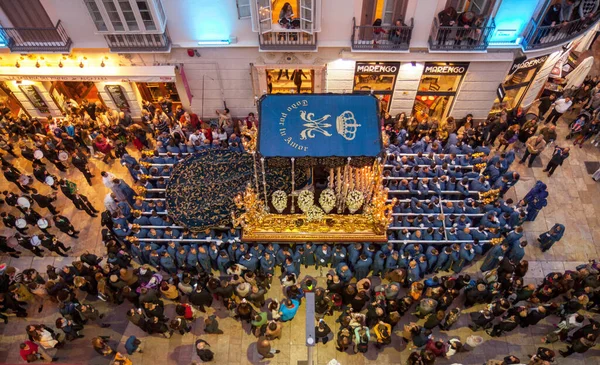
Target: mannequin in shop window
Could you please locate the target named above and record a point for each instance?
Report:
(297, 76)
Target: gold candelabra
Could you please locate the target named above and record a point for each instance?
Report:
(250, 143)
(253, 210)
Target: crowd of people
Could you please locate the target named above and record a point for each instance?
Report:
(437, 170)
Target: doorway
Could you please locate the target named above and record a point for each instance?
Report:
(437, 89)
(67, 94)
(152, 91)
(290, 81)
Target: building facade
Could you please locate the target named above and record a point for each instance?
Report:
(449, 57)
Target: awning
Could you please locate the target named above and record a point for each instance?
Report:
(94, 74)
(319, 125)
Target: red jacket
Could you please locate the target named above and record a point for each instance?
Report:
(189, 314)
(33, 349)
(438, 352)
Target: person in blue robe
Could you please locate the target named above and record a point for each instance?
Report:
(493, 257)
(443, 259)
(204, 259)
(344, 272)
(223, 262)
(249, 261)
(514, 236)
(547, 239)
(167, 263)
(517, 251)
(323, 255)
(391, 262)
(466, 255)
(379, 263)
(308, 258)
(362, 267)
(289, 267)
(413, 273)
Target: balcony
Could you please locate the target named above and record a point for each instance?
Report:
(138, 43)
(381, 38)
(459, 38)
(539, 36)
(287, 40)
(36, 40)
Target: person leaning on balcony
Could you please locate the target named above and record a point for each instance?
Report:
(396, 35)
(566, 11)
(447, 18)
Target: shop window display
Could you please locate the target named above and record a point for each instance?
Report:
(438, 87)
(290, 81)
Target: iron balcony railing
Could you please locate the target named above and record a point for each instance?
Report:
(384, 37)
(539, 36)
(26, 40)
(138, 43)
(461, 38)
(287, 40)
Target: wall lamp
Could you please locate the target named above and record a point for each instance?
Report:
(218, 42)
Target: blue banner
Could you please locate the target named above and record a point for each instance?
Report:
(319, 125)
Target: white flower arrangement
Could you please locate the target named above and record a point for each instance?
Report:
(314, 213)
(306, 199)
(327, 200)
(279, 200)
(355, 200)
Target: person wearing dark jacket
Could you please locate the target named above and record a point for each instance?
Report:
(65, 226)
(580, 346)
(322, 331)
(44, 201)
(203, 351)
(157, 326)
(559, 156)
(545, 104)
(482, 319)
(506, 325)
(201, 298)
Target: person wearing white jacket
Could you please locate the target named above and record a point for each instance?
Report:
(560, 107)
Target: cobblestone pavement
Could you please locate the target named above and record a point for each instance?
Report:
(572, 201)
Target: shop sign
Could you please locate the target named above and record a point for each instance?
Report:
(445, 69)
(527, 64)
(118, 96)
(385, 68)
(34, 97)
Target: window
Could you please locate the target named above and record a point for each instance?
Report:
(128, 15)
(480, 7)
(113, 15)
(387, 10)
(161, 12)
(146, 15)
(243, 8)
(96, 15)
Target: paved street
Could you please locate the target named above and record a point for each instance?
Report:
(572, 201)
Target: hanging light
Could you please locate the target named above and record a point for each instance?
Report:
(102, 64)
(37, 64)
(17, 65)
(60, 64)
(81, 64)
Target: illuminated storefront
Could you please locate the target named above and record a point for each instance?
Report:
(438, 86)
(378, 78)
(49, 91)
(516, 83)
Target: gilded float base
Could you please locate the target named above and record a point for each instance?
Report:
(296, 228)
